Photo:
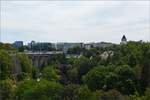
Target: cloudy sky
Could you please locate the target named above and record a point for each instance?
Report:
(74, 21)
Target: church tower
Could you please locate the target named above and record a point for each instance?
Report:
(124, 40)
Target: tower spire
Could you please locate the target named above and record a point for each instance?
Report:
(123, 40)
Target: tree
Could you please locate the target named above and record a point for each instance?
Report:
(57, 59)
(84, 93)
(110, 80)
(145, 79)
(21, 49)
(35, 72)
(110, 77)
(90, 53)
(70, 92)
(6, 89)
(147, 94)
(130, 54)
(112, 95)
(75, 50)
(50, 73)
(96, 95)
(126, 79)
(73, 75)
(136, 96)
(101, 77)
(83, 65)
(6, 65)
(25, 62)
(6, 46)
(42, 90)
(94, 79)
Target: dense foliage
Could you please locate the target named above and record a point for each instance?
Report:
(118, 72)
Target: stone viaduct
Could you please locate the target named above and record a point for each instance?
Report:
(38, 59)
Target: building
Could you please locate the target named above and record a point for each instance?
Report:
(17, 44)
(88, 45)
(65, 46)
(97, 45)
(124, 40)
(71, 45)
(102, 44)
(40, 46)
(59, 46)
(31, 44)
(106, 54)
(54, 46)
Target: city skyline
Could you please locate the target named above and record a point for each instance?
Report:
(74, 21)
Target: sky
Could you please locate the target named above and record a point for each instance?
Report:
(74, 21)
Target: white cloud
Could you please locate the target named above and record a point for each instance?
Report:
(74, 21)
